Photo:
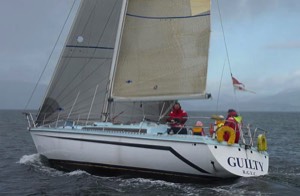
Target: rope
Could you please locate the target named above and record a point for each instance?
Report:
(220, 85)
(48, 60)
(227, 53)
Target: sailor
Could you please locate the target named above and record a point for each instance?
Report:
(219, 122)
(234, 121)
(177, 119)
(198, 128)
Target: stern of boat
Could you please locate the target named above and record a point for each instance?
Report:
(240, 160)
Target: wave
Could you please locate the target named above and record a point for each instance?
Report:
(30, 159)
(39, 163)
(77, 173)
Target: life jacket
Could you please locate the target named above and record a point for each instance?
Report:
(219, 123)
(238, 119)
(198, 128)
(234, 122)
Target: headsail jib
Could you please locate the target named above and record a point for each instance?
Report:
(80, 80)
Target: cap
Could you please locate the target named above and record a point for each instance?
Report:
(232, 112)
(199, 124)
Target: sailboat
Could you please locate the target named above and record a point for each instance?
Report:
(123, 66)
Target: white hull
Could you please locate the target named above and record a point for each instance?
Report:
(161, 154)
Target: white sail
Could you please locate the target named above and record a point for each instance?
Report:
(79, 87)
(79, 84)
(164, 50)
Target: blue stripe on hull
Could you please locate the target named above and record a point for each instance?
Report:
(164, 148)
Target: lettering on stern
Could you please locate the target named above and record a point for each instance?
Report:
(248, 166)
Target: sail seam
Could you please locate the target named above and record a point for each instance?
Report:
(93, 47)
(168, 17)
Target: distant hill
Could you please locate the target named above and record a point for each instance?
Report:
(283, 101)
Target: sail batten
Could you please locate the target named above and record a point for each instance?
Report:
(167, 17)
(94, 47)
(164, 50)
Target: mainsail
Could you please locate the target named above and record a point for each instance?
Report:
(159, 58)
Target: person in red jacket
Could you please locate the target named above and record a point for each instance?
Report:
(177, 119)
(234, 121)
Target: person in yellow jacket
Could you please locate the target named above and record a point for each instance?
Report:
(198, 128)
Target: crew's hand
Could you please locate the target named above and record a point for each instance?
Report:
(177, 120)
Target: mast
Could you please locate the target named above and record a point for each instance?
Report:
(108, 98)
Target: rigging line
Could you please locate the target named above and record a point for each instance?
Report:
(48, 60)
(108, 21)
(100, 37)
(73, 105)
(92, 11)
(219, 91)
(75, 76)
(92, 104)
(92, 18)
(162, 109)
(67, 61)
(226, 49)
(59, 74)
(92, 72)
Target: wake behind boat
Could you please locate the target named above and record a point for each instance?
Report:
(124, 65)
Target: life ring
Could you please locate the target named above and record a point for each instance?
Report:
(262, 142)
(226, 129)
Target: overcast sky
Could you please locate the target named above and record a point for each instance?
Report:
(262, 38)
